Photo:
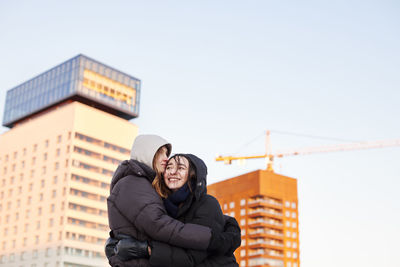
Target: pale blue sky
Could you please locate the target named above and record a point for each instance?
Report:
(216, 74)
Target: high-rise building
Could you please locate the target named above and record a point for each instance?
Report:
(266, 207)
(69, 130)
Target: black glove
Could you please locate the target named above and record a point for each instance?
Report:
(232, 226)
(130, 248)
(228, 241)
(110, 246)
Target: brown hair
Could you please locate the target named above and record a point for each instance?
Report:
(159, 183)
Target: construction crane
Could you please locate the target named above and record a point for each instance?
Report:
(309, 150)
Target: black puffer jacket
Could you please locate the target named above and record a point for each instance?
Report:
(135, 209)
(199, 208)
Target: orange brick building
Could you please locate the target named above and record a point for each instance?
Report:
(265, 205)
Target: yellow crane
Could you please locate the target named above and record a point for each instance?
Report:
(309, 150)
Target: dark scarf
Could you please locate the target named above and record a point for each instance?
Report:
(172, 202)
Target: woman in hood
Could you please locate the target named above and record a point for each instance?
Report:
(135, 210)
(184, 191)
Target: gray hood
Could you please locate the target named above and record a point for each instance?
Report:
(145, 147)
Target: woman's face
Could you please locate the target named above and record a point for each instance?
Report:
(161, 159)
(176, 174)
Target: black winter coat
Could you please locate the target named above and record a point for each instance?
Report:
(135, 209)
(199, 208)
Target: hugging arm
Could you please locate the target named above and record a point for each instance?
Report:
(226, 238)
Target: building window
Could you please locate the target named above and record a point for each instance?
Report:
(46, 143)
(288, 233)
(45, 156)
(242, 212)
(225, 206)
(243, 232)
(232, 214)
(293, 205)
(294, 235)
(287, 213)
(294, 224)
(59, 139)
(48, 252)
(287, 204)
(294, 215)
(242, 202)
(288, 244)
(242, 252)
(232, 205)
(294, 245)
(242, 222)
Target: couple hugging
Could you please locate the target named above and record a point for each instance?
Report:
(160, 214)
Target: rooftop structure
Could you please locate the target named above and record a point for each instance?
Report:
(79, 79)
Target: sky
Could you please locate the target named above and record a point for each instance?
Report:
(217, 74)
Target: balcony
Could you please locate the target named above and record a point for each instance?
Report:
(263, 201)
(261, 211)
(266, 252)
(266, 242)
(262, 231)
(263, 221)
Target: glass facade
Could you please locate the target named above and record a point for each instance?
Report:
(80, 78)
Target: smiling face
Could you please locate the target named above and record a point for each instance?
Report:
(176, 174)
